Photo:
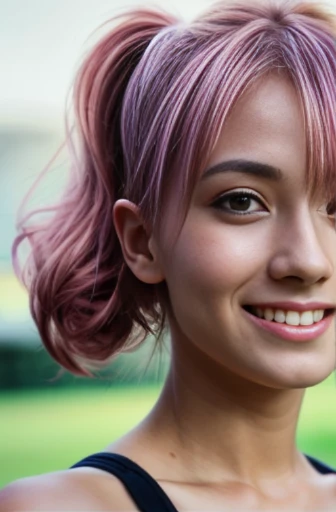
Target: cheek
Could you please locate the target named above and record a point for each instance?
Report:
(210, 264)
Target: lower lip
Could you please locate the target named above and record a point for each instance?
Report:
(298, 333)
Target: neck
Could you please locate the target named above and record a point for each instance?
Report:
(222, 426)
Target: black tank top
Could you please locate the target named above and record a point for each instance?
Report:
(143, 489)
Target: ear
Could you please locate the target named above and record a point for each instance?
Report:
(137, 244)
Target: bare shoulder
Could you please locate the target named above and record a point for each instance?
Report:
(80, 489)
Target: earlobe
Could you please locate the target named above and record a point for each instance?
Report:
(137, 245)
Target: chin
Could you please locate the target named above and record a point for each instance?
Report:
(305, 375)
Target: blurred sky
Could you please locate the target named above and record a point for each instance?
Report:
(41, 43)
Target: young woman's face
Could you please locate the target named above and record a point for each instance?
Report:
(254, 239)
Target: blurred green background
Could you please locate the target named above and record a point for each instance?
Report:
(49, 419)
(51, 429)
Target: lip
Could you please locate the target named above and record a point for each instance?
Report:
(294, 306)
(300, 333)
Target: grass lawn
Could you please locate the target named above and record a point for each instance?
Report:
(52, 429)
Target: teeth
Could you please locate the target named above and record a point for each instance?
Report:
(290, 317)
(280, 316)
(307, 318)
(318, 315)
(269, 314)
(293, 318)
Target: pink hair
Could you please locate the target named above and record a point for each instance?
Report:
(150, 101)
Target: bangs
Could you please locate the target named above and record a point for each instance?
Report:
(310, 57)
(191, 77)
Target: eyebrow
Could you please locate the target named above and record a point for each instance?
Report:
(247, 167)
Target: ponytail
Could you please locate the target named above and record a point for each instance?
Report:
(86, 303)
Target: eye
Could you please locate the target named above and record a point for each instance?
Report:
(239, 202)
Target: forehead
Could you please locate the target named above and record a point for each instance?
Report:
(266, 125)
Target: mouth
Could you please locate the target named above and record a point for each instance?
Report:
(291, 325)
(290, 317)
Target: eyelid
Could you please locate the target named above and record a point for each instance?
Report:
(238, 192)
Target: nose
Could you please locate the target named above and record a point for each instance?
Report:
(303, 250)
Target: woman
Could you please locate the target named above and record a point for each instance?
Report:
(204, 200)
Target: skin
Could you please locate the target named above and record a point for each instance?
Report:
(249, 382)
(222, 434)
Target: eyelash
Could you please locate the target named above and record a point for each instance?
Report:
(247, 193)
(235, 194)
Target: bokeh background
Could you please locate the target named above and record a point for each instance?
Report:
(49, 421)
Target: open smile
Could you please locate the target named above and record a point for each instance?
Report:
(290, 317)
(291, 324)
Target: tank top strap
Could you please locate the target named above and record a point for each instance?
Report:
(144, 490)
(321, 467)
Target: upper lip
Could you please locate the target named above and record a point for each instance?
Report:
(294, 306)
